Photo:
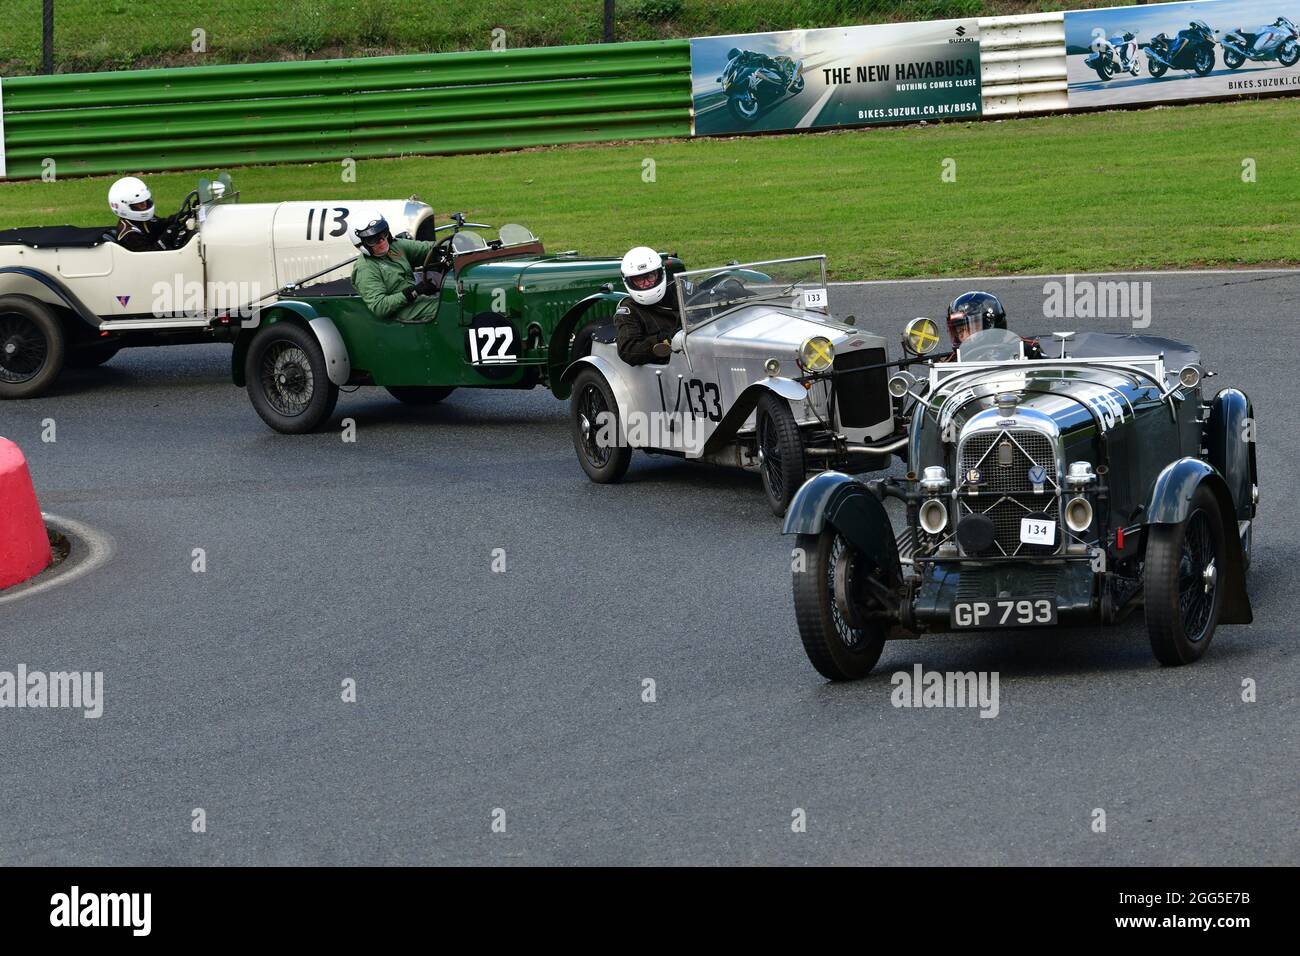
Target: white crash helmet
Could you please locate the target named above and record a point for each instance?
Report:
(644, 275)
(129, 198)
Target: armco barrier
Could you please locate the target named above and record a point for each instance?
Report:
(1023, 64)
(24, 543)
(211, 117)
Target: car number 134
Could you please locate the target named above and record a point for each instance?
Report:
(1004, 613)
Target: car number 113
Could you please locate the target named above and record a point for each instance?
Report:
(1004, 613)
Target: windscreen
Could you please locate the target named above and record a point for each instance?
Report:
(800, 284)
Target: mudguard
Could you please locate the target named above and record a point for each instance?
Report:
(846, 504)
(39, 285)
(745, 404)
(338, 364)
(1171, 499)
(557, 349)
(1230, 440)
(622, 394)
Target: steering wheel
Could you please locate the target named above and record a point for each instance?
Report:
(443, 256)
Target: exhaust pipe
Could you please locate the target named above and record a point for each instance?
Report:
(1235, 46)
(1159, 59)
(884, 449)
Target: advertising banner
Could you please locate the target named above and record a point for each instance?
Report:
(846, 76)
(1175, 51)
(2, 127)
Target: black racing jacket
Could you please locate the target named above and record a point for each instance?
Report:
(641, 327)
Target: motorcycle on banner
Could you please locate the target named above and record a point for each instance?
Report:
(1119, 54)
(1276, 41)
(1192, 49)
(753, 81)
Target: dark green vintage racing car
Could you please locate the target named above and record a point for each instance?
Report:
(509, 315)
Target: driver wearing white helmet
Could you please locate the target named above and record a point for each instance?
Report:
(647, 319)
(139, 229)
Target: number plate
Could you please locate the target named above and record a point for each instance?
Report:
(814, 298)
(1004, 612)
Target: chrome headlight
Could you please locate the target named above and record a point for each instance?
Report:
(933, 515)
(817, 354)
(1078, 514)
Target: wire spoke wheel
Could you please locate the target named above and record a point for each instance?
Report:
(769, 447)
(287, 378)
(841, 570)
(23, 349)
(1197, 577)
(592, 411)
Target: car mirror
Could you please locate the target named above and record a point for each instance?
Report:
(921, 336)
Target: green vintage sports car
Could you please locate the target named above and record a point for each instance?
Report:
(509, 316)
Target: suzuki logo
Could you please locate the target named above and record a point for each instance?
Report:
(961, 31)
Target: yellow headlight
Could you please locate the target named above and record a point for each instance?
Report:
(922, 336)
(816, 354)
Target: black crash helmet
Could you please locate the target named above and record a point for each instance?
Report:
(370, 234)
(973, 312)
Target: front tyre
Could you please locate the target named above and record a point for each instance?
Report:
(840, 639)
(1181, 578)
(420, 394)
(780, 451)
(287, 379)
(1288, 54)
(1105, 70)
(1204, 62)
(744, 107)
(32, 347)
(597, 436)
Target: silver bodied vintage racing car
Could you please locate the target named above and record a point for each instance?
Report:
(761, 377)
(1068, 489)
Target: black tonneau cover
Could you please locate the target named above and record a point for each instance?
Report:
(44, 237)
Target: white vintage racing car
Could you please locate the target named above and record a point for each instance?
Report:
(71, 296)
(761, 376)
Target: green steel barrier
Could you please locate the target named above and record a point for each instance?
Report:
(313, 110)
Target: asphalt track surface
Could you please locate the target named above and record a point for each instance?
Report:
(522, 690)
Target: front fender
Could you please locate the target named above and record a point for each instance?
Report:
(847, 505)
(338, 364)
(557, 349)
(745, 404)
(1171, 500)
(1230, 439)
(612, 374)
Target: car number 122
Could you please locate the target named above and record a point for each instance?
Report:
(490, 345)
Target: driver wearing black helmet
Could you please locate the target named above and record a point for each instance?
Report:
(974, 312)
(384, 274)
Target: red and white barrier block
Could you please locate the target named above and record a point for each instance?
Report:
(24, 545)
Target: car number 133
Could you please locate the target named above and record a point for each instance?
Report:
(1004, 613)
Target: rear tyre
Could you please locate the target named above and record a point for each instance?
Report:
(597, 435)
(1181, 578)
(287, 379)
(32, 347)
(420, 394)
(1232, 60)
(780, 451)
(1156, 69)
(840, 645)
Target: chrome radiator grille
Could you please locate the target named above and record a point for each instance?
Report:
(1005, 492)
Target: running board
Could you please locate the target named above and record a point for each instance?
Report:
(136, 325)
